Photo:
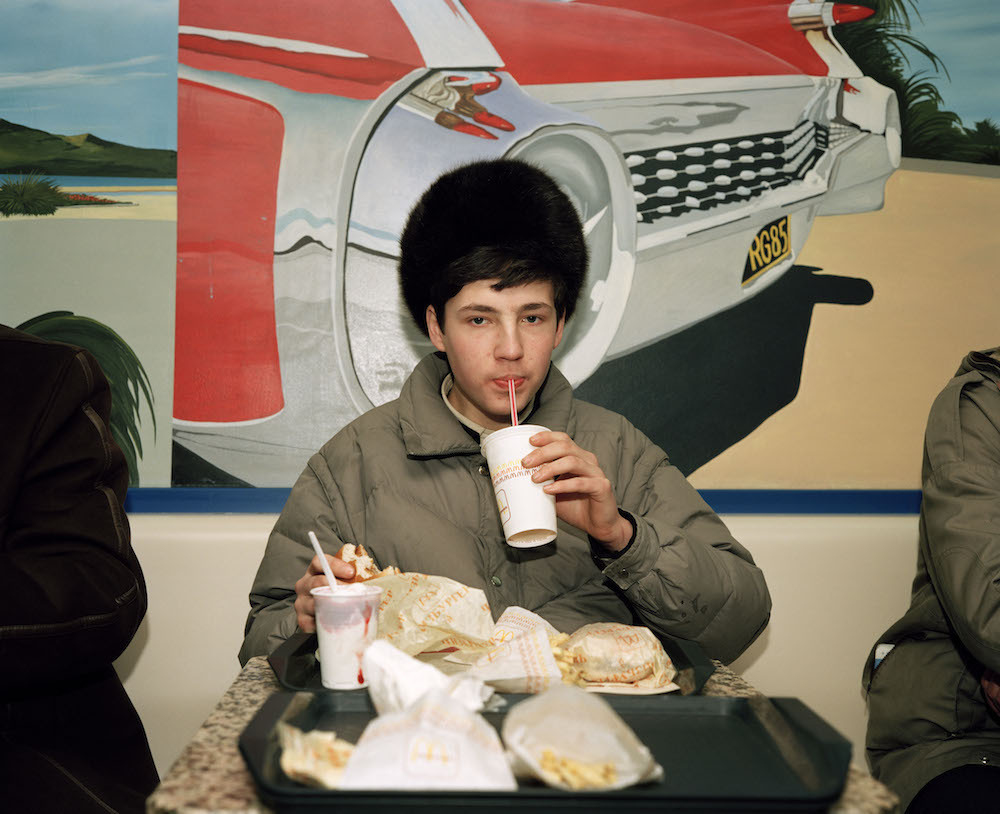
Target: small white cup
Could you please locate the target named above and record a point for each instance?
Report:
(346, 623)
(527, 512)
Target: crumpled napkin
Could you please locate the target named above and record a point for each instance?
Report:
(396, 681)
(583, 736)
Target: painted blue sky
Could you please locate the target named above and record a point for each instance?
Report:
(965, 34)
(108, 67)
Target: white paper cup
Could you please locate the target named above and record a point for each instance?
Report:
(346, 623)
(527, 512)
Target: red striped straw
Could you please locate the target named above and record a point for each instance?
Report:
(513, 403)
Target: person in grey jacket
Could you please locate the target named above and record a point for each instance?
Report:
(492, 262)
(932, 678)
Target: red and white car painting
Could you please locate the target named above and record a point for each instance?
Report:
(698, 138)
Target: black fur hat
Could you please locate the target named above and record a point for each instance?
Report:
(481, 219)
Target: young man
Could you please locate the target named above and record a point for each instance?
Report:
(492, 262)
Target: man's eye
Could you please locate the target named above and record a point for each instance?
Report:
(478, 320)
(533, 319)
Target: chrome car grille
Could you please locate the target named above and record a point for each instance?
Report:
(691, 177)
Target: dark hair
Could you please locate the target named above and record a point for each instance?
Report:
(502, 220)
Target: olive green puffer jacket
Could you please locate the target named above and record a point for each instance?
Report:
(409, 482)
(927, 713)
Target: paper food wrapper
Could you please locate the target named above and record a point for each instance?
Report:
(316, 758)
(613, 657)
(439, 618)
(435, 744)
(523, 664)
(518, 656)
(573, 740)
(513, 622)
(526, 654)
(421, 613)
(397, 681)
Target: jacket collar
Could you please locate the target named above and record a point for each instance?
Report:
(986, 362)
(431, 431)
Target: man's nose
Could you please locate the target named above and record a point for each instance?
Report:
(509, 344)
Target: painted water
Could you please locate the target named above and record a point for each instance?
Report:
(90, 181)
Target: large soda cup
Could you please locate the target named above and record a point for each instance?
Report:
(527, 512)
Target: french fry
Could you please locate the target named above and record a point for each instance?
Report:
(576, 774)
(567, 662)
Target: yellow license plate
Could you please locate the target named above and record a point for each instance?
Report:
(769, 247)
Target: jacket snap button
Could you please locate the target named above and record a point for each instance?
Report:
(624, 572)
(483, 469)
(496, 581)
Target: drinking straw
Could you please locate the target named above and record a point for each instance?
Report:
(513, 403)
(323, 561)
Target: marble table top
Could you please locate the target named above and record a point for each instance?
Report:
(210, 775)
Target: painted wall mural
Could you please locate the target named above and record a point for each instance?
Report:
(88, 167)
(707, 149)
(697, 148)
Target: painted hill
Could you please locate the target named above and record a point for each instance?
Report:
(23, 149)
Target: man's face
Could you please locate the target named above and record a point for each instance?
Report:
(492, 336)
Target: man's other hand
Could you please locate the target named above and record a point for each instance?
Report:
(305, 605)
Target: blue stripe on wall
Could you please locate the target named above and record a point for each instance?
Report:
(185, 500)
(813, 501)
(208, 500)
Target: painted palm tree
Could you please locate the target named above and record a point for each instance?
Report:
(129, 382)
(984, 141)
(884, 39)
(882, 46)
